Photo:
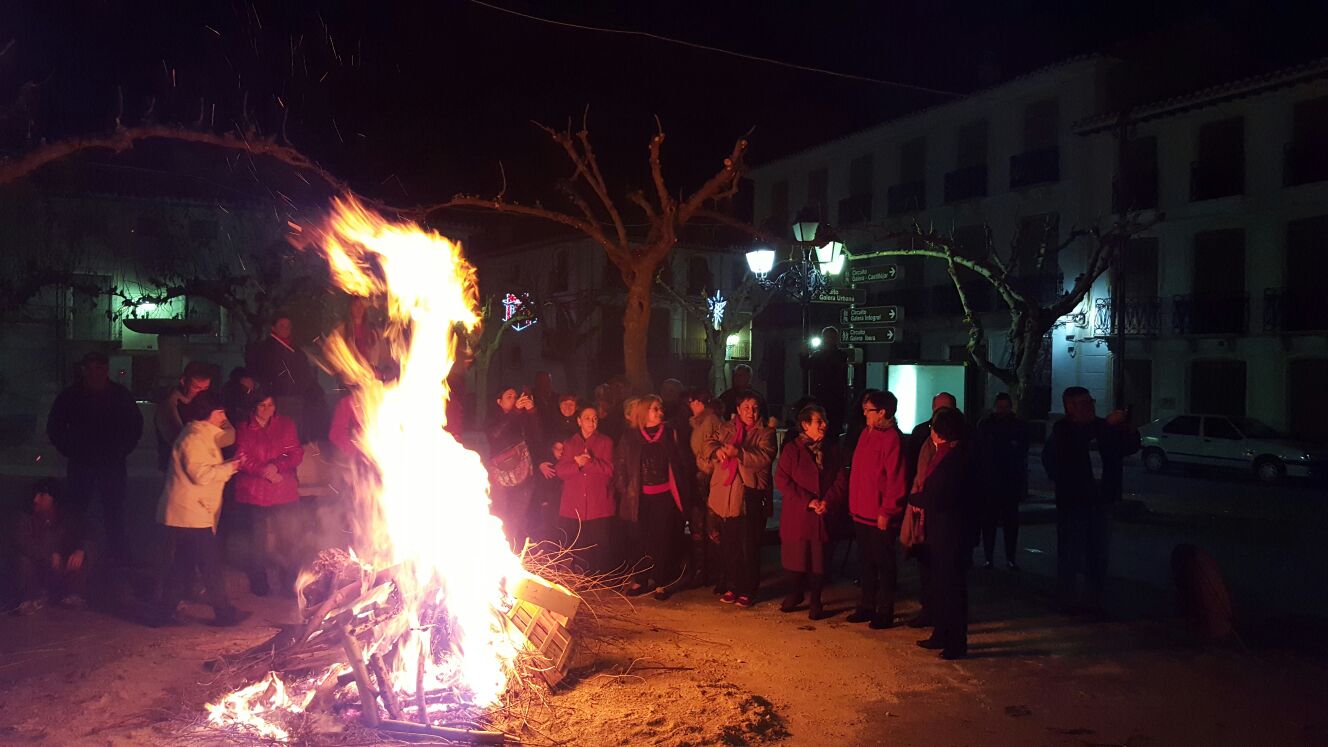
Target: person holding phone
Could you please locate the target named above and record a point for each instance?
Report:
(267, 486)
(512, 431)
(189, 508)
(587, 508)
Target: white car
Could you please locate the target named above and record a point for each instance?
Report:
(1221, 441)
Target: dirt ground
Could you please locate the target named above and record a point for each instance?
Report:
(690, 671)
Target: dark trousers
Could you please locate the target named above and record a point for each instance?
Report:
(37, 579)
(1005, 513)
(703, 563)
(1083, 542)
(949, 595)
(740, 546)
(274, 538)
(660, 530)
(106, 482)
(194, 549)
(589, 542)
(512, 505)
(878, 569)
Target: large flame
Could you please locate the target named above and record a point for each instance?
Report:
(433, 498)
(428, 506)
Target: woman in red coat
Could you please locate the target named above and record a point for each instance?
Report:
(811, 479)
(269, 451)
(587, 508)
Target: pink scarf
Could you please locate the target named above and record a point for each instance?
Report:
(731, 464)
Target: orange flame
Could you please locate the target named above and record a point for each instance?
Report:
(429, 507)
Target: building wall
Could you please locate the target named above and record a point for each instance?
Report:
(1081, 352)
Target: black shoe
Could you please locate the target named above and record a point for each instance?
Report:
(931, 644)
(881, 622)
(1012, 565)
(815, 611)
(638, 590)
(790, 603)
(988, 565)
(230, 617)
(662, 594)
(921, 621)
(952, 654)
(160, 618)
(861, 615)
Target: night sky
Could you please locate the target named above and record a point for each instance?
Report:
(413, 102)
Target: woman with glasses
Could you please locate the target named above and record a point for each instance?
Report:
(812, 481)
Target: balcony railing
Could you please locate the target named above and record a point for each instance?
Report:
(1210, 315)
(1303, 163)
(1294, 310)
(966, 183)
(909, 197)
(1137, 316)
(1211, 180)
(1035, 167)
(855, 210)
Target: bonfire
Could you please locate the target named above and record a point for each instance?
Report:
(427, 620)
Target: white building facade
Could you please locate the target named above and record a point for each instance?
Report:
(1218, 302)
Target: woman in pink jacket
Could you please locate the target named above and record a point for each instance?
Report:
(269, 451)
(587, 508)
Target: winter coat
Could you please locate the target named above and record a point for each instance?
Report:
(704, 427)
(1004, 441)
(257, 447)
(756, 456)
(627, 472)
(800, 481)
(95, 426)
(282, 368)
(877, 482)
(587, 491)
(947, 495)
(1068, 459)
(169, 423)
(195, 477)
(346, 427)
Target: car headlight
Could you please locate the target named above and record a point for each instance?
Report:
(1305, 457)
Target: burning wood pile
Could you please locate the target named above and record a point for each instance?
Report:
(432, 621)
(355, 651)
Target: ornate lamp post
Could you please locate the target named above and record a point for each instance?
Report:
(805, 275)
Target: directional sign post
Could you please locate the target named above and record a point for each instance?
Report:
(876, 274)
(844, 297)
(866, 317)
(877, 336)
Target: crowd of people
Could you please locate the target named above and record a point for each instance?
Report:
(674, 491)
(664, 492)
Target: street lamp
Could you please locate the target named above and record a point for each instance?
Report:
(805, 275)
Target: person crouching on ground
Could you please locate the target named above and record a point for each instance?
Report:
(189, 508)
(51, 553)
(586, 507)
(269, 451)
(946, 497)
(877, 493)
(812, 481)
(651, 477)
(743, 451)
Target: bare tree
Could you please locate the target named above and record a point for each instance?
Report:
(1031, 317)
(596, 214)
(485, 340)
(721, 316)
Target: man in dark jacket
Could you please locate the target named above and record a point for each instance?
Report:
(1003, 436)
(95, 424)
(283, 370)
(1084, 456)
(827, 373)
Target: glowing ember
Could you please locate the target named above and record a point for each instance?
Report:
(427, 511)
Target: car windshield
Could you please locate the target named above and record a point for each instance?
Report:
(1254, 429)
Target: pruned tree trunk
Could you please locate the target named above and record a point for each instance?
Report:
(717, 350)
(636, 327)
